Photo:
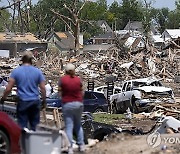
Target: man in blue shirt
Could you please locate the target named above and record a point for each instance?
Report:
(28, 80)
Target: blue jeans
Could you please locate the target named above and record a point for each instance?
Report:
(28, 111)
(72, 113)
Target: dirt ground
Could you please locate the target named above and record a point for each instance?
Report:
(126, 144)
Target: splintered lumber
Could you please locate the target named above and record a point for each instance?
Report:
(167, 109)
(51, 117)
(44, 116)
(56, 117)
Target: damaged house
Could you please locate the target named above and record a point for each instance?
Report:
(158, 41)
(64, 41)
(12, 44)
(135, 43)
(137, 26)
(170, 34)
(102, 42)
(106, 38)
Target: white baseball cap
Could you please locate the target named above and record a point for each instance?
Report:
(69, 67)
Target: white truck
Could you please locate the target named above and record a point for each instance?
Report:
(103, 89)
(139, 93)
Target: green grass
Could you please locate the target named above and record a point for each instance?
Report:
(108, 118)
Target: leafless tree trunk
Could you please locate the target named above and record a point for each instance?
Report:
(21, 22)
(74, 20)
(13, 18)
(21, 9)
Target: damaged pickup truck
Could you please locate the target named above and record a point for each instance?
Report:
(138, 95)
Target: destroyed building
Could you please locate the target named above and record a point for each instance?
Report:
(12, 44)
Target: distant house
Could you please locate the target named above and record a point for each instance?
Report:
(64, 41)
(171, 34)
(134, 26)
(12, 44)
(105, 27)
(106, 38)
(138, 26)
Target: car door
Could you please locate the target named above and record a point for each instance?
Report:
(117, 91)
(120, 97)
(90, 102)
(125, 96)
(129, 92)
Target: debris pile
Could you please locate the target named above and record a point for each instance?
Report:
(162, 64)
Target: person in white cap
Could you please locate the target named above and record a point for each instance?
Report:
(49, 88)
(71, 92)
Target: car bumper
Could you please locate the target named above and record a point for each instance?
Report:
(144, 104)
(105, 108)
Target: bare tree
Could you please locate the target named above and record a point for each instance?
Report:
(74, 20)
(147, 18)
(10, 5)
(19, 14)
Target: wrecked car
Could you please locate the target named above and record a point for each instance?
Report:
(138, 95)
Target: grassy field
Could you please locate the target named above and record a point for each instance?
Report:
(107, 118)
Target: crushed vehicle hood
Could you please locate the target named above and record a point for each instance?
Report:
(154, 89)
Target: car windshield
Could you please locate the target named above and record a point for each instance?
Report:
(141, 84)
(156, 83)
(99, 95)
(89, 95)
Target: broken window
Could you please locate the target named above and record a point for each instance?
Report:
(124, 87)
(128, 86)
(139, 84)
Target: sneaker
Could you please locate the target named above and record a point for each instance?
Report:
(81, 148)
(70, 151)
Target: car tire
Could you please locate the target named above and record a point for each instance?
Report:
(4, 143)
(114, 108)
(124, 107)
(98, 110)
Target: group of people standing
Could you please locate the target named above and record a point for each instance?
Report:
(29, 79)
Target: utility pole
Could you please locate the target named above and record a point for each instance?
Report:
(28, 18)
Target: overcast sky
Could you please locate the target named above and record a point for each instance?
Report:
(157, 3)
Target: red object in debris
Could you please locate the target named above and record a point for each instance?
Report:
(9, 134)
(35, 53)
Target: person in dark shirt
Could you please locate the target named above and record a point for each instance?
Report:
(70, 89)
